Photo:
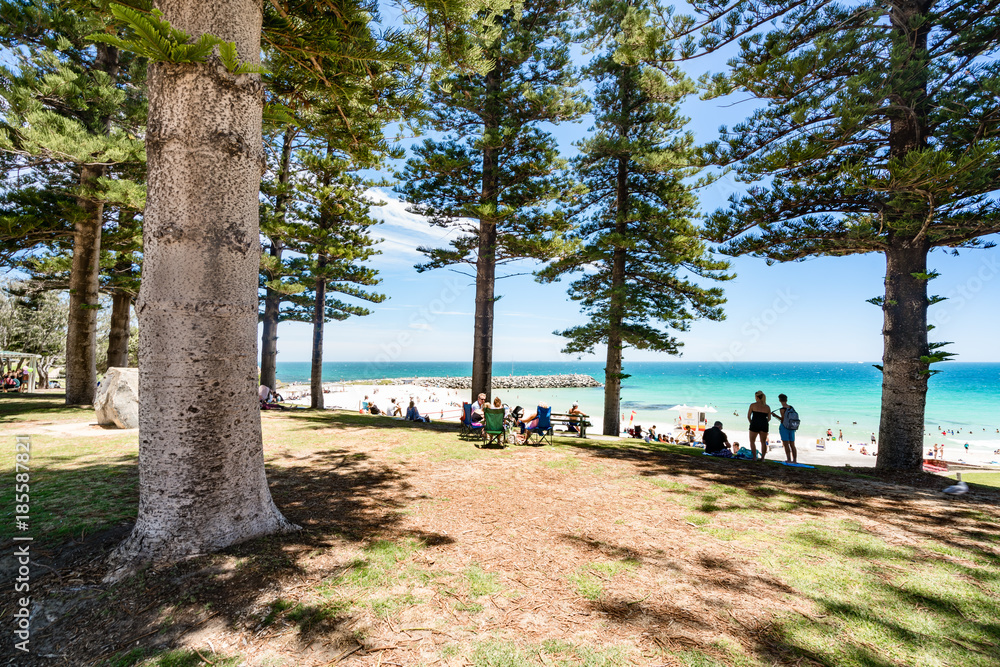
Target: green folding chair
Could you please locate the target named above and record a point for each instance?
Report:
(493, 430)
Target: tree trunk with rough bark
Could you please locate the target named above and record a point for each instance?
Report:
(904, 375)
(319, 318)
(202, 485)
(486, 260)
(121, 306)
(616, 311)
(81, 326)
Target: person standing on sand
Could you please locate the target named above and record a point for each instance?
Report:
(759, 415)
(787, 434)
(840, 433)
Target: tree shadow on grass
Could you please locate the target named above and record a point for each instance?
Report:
(348, 419)
(910, 503)
(340, 499)
(929, 566)
(35, 406)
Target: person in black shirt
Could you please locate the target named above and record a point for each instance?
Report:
(715, 439)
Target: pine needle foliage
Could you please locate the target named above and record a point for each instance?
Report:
(641, 253)
(495, 176)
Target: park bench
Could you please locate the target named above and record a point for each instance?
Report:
(564, 419)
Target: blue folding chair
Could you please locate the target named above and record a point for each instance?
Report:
(542, 432)
(469, 427)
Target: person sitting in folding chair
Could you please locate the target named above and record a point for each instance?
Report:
(468, 425)
(538, 425)
(493, 431)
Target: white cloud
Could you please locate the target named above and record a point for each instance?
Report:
(403, 231)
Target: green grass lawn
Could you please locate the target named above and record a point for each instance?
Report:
(981, 478)
(849, 594)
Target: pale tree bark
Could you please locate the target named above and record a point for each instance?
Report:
(202, 484)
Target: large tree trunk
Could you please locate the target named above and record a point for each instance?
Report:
(616, 309)
(202, 484)
(81, 327)
(269, 330)
(319, 317)
(272, 297)
(121, 306)
(486, 260)
(904, 375)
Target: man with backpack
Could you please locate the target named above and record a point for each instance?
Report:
(787, 426)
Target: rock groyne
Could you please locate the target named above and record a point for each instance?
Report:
(507, 382)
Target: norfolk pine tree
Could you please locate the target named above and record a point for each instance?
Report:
(881, 133)
(366, 83)
(69, 104)
(641, 253)
(334, 241)
(496, 174)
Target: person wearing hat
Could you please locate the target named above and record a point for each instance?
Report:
(716, 440)
(574, 425)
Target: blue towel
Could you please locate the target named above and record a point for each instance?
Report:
(796, 465)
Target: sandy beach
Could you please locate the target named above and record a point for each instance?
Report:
(446, 404)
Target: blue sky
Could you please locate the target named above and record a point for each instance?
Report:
(804, 311)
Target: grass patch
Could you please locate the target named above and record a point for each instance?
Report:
(916, 610)
(589, 580)
(137, 657)
(499, 654)
(570, 654)
(45, 407)
(479, 582)
(981, 478)
(562, 463)
(668, 485)
(76, 487)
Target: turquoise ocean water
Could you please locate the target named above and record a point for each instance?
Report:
(964, 398)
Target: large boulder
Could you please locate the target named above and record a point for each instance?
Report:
(117, 401)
